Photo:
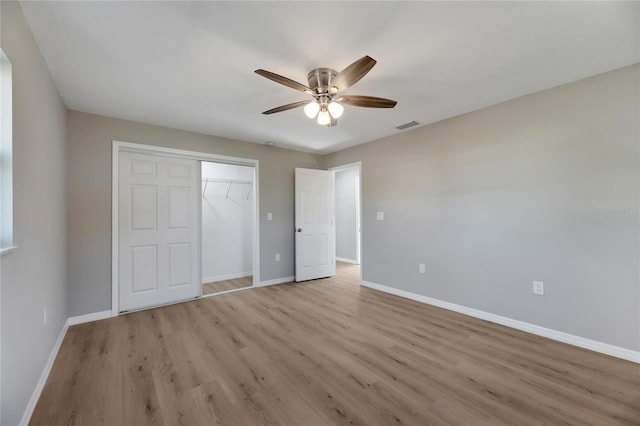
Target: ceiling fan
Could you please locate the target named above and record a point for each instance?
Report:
(324, 86)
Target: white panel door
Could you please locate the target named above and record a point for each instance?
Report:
(315, 218)
(158, 231)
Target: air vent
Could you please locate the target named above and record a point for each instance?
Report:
(407, 125)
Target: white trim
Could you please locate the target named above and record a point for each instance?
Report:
(196, 155)
(276, 281)
(181, 153)
(35, 396)
(349, 166)
(342, 259)
(115, 301)
(200, 238)
(256, 224)
(605, 348)
(96, 316)
(7, 250)
(217, 278)
(233, 290)
(162, 305)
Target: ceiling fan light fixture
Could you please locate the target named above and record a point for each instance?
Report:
(311, 109)
(323, 117)
(335, 109)
(324, 85)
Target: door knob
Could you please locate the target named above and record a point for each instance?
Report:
(299, 229)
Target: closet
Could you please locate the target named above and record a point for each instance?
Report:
(227, 226)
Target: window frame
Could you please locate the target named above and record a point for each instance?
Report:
(6, 155)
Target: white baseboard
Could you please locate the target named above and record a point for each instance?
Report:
(560, 336)
(345, 260)
(226, 277)
(276, 281)
(35, 396)
(89, 317)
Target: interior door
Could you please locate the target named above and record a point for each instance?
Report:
(315, 224)
(158, 235)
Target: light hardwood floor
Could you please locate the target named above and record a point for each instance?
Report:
(326, 352)
(218, 286)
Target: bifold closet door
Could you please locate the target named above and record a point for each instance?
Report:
(158, 231)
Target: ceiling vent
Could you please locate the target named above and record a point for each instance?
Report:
(407, 125)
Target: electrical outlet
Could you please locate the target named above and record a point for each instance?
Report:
(538, 288)
(421, 268)
(269, 216)
(277, 257)
(379, 215)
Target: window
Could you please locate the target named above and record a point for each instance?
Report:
(6, 155)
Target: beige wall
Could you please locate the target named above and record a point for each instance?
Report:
(89, 198)
(34, 275)
(521, 191)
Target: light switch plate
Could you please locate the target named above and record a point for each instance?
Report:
(379, 215)
(269, 216)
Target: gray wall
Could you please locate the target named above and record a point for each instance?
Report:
(543, 187)
(347, 214)
(521, 191)
(89, 198)
(34, 276)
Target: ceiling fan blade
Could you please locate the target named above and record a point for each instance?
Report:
(286, 107)
(366, 101)
(351, 74)
(283, 80)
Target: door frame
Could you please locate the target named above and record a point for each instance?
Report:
(350, 166)
(119, 146)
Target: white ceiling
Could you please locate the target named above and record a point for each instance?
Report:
(189, 65)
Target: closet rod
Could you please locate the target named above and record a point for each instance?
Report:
(229, 181)
(226, 180)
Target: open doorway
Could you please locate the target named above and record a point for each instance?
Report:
(227, 227)
(347, 219)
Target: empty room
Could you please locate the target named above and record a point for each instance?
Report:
(319, 213)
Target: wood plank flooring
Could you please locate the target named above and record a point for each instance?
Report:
(326, 352)
(218, 286)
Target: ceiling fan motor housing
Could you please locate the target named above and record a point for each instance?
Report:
(320, 80)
